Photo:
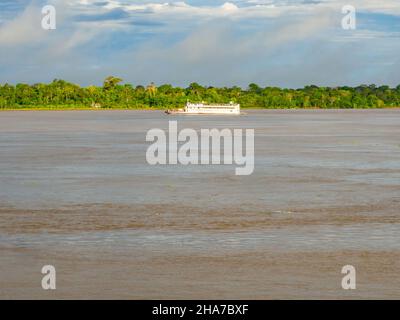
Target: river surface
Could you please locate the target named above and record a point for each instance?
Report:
(77, 192)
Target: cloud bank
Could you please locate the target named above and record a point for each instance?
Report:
(288, 43)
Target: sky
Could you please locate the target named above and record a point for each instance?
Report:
(285, 43)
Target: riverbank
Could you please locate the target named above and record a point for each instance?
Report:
(165, 109)
(73, 108)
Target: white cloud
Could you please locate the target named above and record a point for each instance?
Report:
(24, 28)
(232, 42)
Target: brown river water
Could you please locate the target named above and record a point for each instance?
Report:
(76, 192)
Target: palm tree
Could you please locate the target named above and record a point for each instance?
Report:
(151, 89)
(111, 82)
(151, 92)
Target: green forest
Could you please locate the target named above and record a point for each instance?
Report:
(113, 94)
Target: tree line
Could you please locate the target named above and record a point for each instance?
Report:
(113, 94)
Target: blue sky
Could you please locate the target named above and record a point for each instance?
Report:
(287, 43)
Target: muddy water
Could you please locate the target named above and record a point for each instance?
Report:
(76, 192)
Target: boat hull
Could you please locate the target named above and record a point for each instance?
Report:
(204, 109)
(172, 112)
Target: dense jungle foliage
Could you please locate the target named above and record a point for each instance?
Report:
(113, 94)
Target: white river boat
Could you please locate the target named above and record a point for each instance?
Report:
(201, 108)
